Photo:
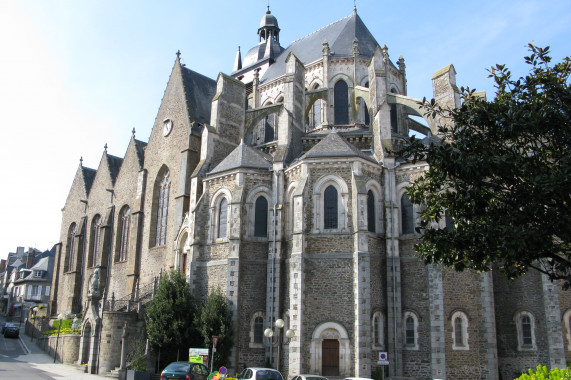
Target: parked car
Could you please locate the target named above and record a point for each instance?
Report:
(309, 377)
(254, 373)
(4, 324)
(185, 371)
(11, 331)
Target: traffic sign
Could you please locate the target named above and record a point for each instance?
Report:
(383, 362)
(214, 340)
(383, 356)
(223, 370)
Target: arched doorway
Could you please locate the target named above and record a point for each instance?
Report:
(330, 350)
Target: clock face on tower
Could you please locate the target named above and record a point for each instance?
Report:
(167, 127)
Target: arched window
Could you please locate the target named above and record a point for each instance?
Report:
(71, 241)
(526, 330)
(269, 128)
(407, 216)
(341, 99)
(394, 119)
(525, 324)
(162, 209)
(261, 217)
(378, 330)
(459, 331)
(314, 117)
(259, 330)
(95, 240)
(411, 331)
(371, 211)
(124, 220)
(330, 208)
(222, 219)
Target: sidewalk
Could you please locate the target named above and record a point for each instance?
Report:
(36, 358)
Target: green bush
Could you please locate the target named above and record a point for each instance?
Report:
(543, 373)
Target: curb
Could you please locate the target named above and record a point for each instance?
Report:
(28, 351)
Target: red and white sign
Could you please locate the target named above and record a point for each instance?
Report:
(214, 340)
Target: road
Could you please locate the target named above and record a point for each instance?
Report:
(21, 359)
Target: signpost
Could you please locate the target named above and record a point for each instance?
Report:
(214, 341)
(383, 361)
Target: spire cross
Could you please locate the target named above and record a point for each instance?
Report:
(105, 147)
(178, 54)
(133, 132)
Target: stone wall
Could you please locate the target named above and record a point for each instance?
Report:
(67, 347)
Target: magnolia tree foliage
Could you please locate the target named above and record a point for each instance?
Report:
(500, 175)
(215, 319)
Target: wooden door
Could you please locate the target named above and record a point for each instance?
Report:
(330, 357)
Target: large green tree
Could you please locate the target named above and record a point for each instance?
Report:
(170, 318)
(215, 319)
(500, 175)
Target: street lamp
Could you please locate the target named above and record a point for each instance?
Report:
(60, 317)
(269, 333)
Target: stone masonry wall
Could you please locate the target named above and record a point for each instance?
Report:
(522, 294)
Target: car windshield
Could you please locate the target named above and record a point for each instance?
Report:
(268, 375)
(177, 367)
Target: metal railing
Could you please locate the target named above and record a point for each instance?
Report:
(133, 302)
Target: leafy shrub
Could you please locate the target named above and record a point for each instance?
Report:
(543, 373)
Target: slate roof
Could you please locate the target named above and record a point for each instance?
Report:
(199, 91)
(114, 163)
(339, 35)
(42, 264)
(243, 156)
(335, 146)
(88, 177)
(140, 148)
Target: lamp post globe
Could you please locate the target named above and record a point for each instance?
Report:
(268, 333)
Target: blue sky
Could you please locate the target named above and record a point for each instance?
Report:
(78, 74)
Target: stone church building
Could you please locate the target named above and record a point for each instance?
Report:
(278, 183)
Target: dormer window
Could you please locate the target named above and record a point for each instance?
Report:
(37, 273)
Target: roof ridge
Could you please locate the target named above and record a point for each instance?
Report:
(196, 72)
(318, 30)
